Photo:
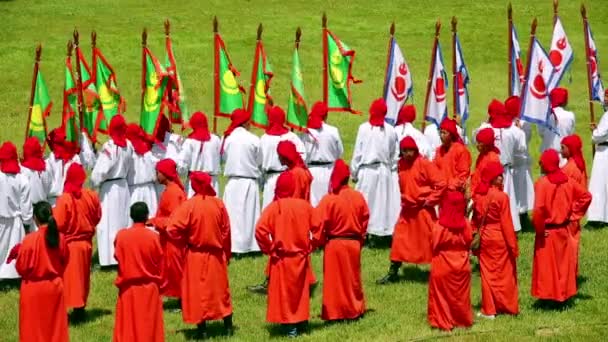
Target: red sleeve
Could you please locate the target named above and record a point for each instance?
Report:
(226, 241)
(506, 223)
(538, 212)
(437, 181)
(463, 169)
(177, 225)
(264, 229)
(582, 200)
(316, 225)
(62, 212)
(24, 265)
(323, 215)
(363, 217)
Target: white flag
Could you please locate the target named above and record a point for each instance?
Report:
(437, 106)
(462, 85)
(398, 85)
(597, 88)
(535, 105)
(561, 53)
(517, 68)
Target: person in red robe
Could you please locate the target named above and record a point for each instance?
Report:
(139, 308)
(41, 261)
(422, 185)
(174, 249)
(284, 233)
(449, 302)
(453, 158)
(289, 156)
(77, 212)
(203, 223)
(559, 203)
(344, 216)
(498, 251)
(488, 153)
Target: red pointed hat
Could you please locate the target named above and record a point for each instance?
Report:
(407, 114)
(339, 176)
(559, 97)
(276, 121)
(318, 114)
(549, 163)
(377, 112)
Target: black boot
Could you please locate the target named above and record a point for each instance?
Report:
(201, 331)
(228, 327)
(392, 275)
(260, 288)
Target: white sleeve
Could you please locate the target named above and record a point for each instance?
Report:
(600, 134)
(102, 167)
(25, 201)
(299, 146)
(87, 154)
(185, 158)
(340, 145)
(357, 153)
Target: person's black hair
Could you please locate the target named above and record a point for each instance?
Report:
(44, 214)
(139, 212)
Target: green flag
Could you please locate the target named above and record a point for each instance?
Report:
(297, 114)
(178, 109)
(109, 95)
(154, 84)
(338, 59)
(92, 106)
(228, 91)
(41, 108)
(69, 116)
(259, 93)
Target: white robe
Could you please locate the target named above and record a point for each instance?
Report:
(15, 212)
(522, 173)
(564, 126)
(242, 157)
(87, 154)
(142, 181)
(431, 132)
(110, 175)
(58, 170)
(271, 166)
(323, 148)
(194, 157)
(371, 166)
(598, 183)
(422, 141)
(40, 183)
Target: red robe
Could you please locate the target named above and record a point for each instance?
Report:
(498, 253)
(203, 223)
(449, 303)
(556, 209)
(174, 250)
(303, 179)
(139, 308)
(283, 232)
(482, 161)
(574, 173)
(344, 218)
(455, 163)
(77, 218)
(421, 183)
(42, 313)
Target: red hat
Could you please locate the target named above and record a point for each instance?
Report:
(549, 163)
(32, 155)
(406, 114)
(118, 130)
(200, 127)
(488, 174)
(9, 160)
(486, 137)
(276, 121)
(74, 179)
(512, 106)
(285, 187)
(377, 112)
(339, 176)
(318, 114)
(169, 169)
(137, 137)
(452, 211)
(201, 183)
(498, 115)
(575, 146)
(238, 118)
(287, 151)
(450, 126)
(61, 148)
(559, 97)
(408, 143)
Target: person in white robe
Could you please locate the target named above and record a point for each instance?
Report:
(15, 207)
(271, 166)
(405, 128)
(59, 160)
(35, 170)
(166, 145)
(323, 147)
(598, 182)
(200, 152)
(242, 157)
(141, 177)
(110, 176)
(87, 153)
(561, 123)
(371, 165)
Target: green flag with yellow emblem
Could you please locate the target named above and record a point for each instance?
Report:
(297, 114)
(259, 93)
(91, 103)
(154, 84)
(41, 108)
(227, 90)
(112, 102)
(337, 64)
(69, 117)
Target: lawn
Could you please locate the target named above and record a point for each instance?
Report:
(397, 311)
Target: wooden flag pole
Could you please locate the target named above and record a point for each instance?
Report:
(33, 88)
(430, 79)
(254, 71)
(455, 115)
(555, 10)
(216, 90)
(391, 33)
(144, 44)
(510, 47)
(70, 48)
(589, 77)
(80, 91)
(325, 57)
(532, 36)
(298, 37)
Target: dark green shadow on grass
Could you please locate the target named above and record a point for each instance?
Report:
(414, 274)
(8, 285)
(90, 315)
(250, 255)
(550, 305)
(214, 329)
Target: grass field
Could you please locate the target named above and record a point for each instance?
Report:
(398, 311)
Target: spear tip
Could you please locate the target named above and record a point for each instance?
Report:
(76, 36)
(144, 37)
(392, 29)
(324, 20)
(437, 27)
(454, 24)
(215, 24)
(167, 27)
(260, 30)
(38, 51)
(70, 47)
(298, 34)
(583, 10)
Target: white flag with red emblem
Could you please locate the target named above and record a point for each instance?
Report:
(462, 85)
(398, 85)
(535, 104)
(436, 109)
(561, 54)
(517, 68)
(597, 88)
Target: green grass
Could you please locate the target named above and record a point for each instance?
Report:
(399, 310)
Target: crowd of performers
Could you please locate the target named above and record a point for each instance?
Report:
(421, 188)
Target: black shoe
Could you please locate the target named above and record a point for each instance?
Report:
(201, 331)
(228, 326)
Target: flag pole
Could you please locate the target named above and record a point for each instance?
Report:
(510, 47)
(144, 44)
(589, 79)
(70, 48)
(532, 36)
(216, 79)
(325, 57)
(80, 93)
(254, 70)
(430, 79)
(168, 92)
(555, 10)
(33, 89)
(391, 32)
(454, 71)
